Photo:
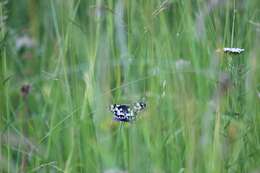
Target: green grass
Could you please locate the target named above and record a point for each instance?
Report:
(200, 117)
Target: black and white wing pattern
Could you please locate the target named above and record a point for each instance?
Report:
(233, 50)
(126, 113)
(122, 112)
(139, 106)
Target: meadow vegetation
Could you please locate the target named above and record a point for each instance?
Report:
(63, 62)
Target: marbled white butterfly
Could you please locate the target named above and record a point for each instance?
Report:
(126, 113)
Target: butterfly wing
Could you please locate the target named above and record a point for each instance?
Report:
(122, 113)
(139, 106)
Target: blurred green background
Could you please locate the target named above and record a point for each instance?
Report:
(63, 62)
